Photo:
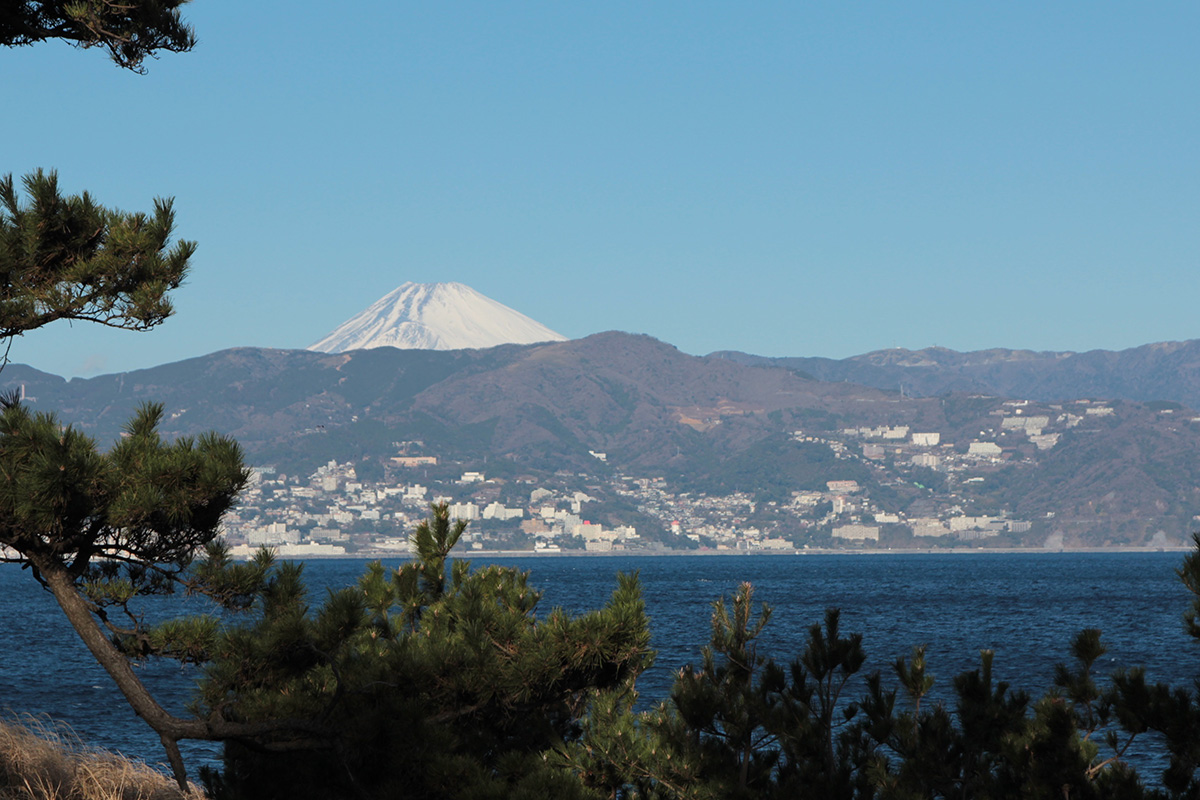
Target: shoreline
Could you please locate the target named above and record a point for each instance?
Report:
(908, 551)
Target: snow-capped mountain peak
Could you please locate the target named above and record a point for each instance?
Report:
(434, 316)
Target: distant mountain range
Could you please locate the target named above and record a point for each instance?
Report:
(453, 316)
(638, 396)
(1164, 371)
(435, 316)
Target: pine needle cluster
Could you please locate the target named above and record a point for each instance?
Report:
(68, 257)
(131, 31)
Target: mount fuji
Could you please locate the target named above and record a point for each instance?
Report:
(435, 316)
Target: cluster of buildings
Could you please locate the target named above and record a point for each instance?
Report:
(841, 515)
(334, 512)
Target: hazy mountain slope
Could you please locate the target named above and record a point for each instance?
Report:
(1162, 371)
(640, 398)
(434, 316)
(255, 394)
(631, 395)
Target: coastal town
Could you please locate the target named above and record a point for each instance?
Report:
(336, 511)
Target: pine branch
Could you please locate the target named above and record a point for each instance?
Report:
(131, 31)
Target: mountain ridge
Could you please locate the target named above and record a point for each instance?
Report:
(1157, 371)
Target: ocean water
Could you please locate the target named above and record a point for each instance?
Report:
(1025, 607)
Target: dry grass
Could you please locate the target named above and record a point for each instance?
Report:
(41, 761)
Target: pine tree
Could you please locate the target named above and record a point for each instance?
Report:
(101, 529)
(736, 726)
(130, 30)
(718, 725)
(820, 740)
(67, 257)
(1170, 713)
(433, 680)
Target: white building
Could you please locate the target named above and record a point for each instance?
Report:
(929, 526)
(309, 550)
(464, 511)
(498, 511)
(983, 523)
(275, 533)
(776, 544)
(1031, 425)
(857, 532)
(625, 532)
(806, 498)
(872, 451)
(1045, 441)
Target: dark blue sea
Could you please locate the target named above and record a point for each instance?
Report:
(1025, 607)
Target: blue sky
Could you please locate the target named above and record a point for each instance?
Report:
(778, 178)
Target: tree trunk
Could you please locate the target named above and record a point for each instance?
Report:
(297, 734)
(169, 728)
